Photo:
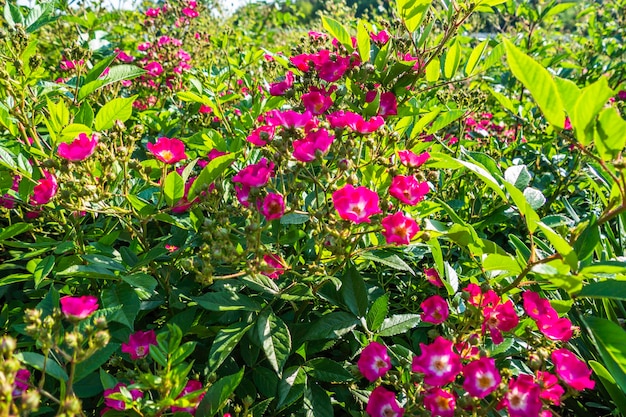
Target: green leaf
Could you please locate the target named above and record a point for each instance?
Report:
(326, 370)
(433, 70)
(117, 109)
(337, 31)
(116, 73)
(39, 15)
(353, 291)
(43, 268)
(610, 134)
(445, 119)
(475, 56)
(569, 93)
(173, 188)
(12, 14)
(377, 313)
(412, 12)
(59, 115)
(398, 323)
(363, 41)
(534, 197)
(210, 173)
(218, 394)
(224, 343)
(530, 215)
(122, 295)
(291, 387)
(85, 115)
(275, 339)
(561, 245)
(389, 259)
(316, 401)
(518, 175)
(605, 377)
(609, 289)
(71, 132)
(143, 281)
(610, 340)
(453, 57)
(332, 326)
(36, 361)
(539, 82)
(14, 230)
(226, 301)
(83, 369)
(497, 262)
(591, 101)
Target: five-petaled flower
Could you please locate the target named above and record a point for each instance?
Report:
(168, 150)
(356, 204)
(138, 345)
(374, 361)
(79, 149)
(78, 307)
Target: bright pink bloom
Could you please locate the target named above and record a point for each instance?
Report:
(568, 124)
(537, 307)
(78, 307)
(399, 229)
(255, 175)
(388, 104)
(501, 318)
(550, 388)
(168, 150)
(438, 362)
(481, 377)
(277, 265)
(354, 121)
(356, 204)
(152, 12)
(79, 149)
(433, 277)
(243, 194)
(302, 62)
(408, 190)
(144, 46)
(190, 13)
(204, 109)
(281, 87)
(440, 403)
(119, 404)
(123, 56)
(138, 345)
(316, 35)
(7, 200)
(419, 63)
(288, 119)
(374, 361)
(328, 69)
(316, 102)
(572, 370)
(45, 189)
(316, 141)
(522, 398)
(261, 135)
(381, 38)
(20, 384)
(559, 329)
(273, 206)
(192, 386)
(382, 403)
(154, 69)
(435, 309)
(412, 160)
(546, 317)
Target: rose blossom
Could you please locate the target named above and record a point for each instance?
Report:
(399, 229)
(119, 405)
(435, 309)
(481, 377)
(374, 361)
(273, 206)
(572, 370)
(438, 362)
(255, 175)
(276, 264)
(78, 307)
(79, 149)
(191, 386)
(440, 403)
(138, 345)
(45, 189)
(408, 190)
(382, 403)
(168, 150)
(356, 204)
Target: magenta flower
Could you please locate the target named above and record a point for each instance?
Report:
(522, 398)
(80, 149)
(551, 391)
(151, 12)
(343, 119)
(273, 206)
(184, 204)
(558, 329)
(433, 277)
(280, 88)
(7, 200)
(501, 318)
(572, 370)
(356, 204)
(537, 307)
(435, 309)
(481, 377)
(374, 361)
(78, 307)
(20, 384)
(190, 13)
(138, 345)
(316, 102)
(382, 403)
(261, 135)
(255, 175)
(316, 141)
(168, 150)
(277, 265)
(412, 160)
(546, 317)
(288, 119)
(381, 38)
(408, 190)
(440, 403)
(154, 69)
(438, 362)
(330, 69)
(192, 386)
(303, 61)
(119, 405)
(243, 194)
(45, 189)
(399, 229)
(388, 104)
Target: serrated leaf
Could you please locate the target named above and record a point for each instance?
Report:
(327, 370)
(14, 230)
(37, 361)
(72, 131)
(316, 402)
(332, 326)
(217, 395)
(275, 339)
(117, 109)
(534, 197)
(225, 341)
(94, 362)
(377, 313)
(173, 188)
(353, 291)
(116, 73)
(338, 31)
(210, 173)
(291, 387)
(124, 296)
(389, 259)
(398, 323)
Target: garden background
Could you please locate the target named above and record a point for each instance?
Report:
(313, 208)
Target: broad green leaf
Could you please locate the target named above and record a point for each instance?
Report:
(218, 394)
(610, 339)
(605, 377)
(497, 262)
(453, 57)
(475, 56)
(291, 387)
(503, 100)
(610, 134)
(115, 74)
(85, 115)
(316, 401)
(569, 93)
(363, 41)
(479, 170)
(377, 313)
(525, 209)
(226, 301)
(96, 71)
(398, 323)
(561, 245)
(588, 105)
(72, 131)
(604, 268)
(424, 121)
(412, 12)
(332, 326)
(609, 289)
(275, 338)
(39, 15)
(433, 70)
(37, 361)
(94, 362)
(518, 175)
(224, 343)
(143, 281)
(117, 109)
(558, 8)
(327, 370)
(43, 268)
(59, 115)
(445, 119)
(173, 188)
(14, 230)
(534, 197)
(539, 82)
(390, 259)
(353, 291)
(210, 173)
(124, 296)
(338, 31)
(7, 121)
(12, 14)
